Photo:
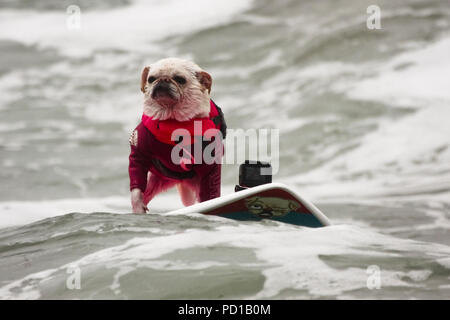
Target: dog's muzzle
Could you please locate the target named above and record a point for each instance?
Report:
(266, 214)
(163, 88)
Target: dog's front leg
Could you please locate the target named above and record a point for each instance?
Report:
(210, 184)
(137, 201)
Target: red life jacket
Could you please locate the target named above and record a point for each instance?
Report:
(163, 129)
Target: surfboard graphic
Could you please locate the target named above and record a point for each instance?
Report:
(273, 201)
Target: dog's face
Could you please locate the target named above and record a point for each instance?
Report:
(267, 207)
(175, 89)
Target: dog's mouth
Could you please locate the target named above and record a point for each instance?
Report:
(164, 94)
(265, 214)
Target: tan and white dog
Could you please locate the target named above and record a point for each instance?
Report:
(176, 92)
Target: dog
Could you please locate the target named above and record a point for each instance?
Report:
(268, 207)
(176, 97)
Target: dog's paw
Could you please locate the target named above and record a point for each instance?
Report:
(137, 202)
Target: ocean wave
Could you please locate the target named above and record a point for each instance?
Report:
(281, 261)
(136, 27)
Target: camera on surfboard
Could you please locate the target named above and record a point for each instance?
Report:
(253, 173)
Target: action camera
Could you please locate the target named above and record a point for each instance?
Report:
(253, 173)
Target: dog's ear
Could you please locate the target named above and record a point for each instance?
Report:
(144, 78)
(205, 79)
(251, 200)
(293, 205)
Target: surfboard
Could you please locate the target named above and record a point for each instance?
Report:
(274, 201)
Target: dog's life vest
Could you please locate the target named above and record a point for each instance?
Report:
(163, 129)
(151, 146)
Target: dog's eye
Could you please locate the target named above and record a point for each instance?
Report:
(179, 79)
(151, 79)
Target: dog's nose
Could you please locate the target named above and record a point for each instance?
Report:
(162, 84)
(161, 88)
(164, 79)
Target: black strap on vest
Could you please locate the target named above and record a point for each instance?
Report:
(220, 120)
(170, 173)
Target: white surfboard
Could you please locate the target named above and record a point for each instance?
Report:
(273, 201)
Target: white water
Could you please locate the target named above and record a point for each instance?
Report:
(132, 28)
(64, 126)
